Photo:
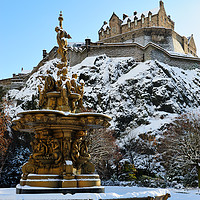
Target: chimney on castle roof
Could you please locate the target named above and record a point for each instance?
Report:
(124, 16)
(87, 43)
(161, 4)
(135, 13)
(44, 53)
(105, 22)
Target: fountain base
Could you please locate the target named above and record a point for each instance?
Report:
(50, 183)
(60, 159)
(36, 190)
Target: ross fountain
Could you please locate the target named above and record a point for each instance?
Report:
(60, 162)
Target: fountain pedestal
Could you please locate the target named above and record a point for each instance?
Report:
(60, 160)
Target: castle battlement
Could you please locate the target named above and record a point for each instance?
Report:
(153, 25)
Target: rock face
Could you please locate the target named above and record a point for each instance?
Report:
(140, 97)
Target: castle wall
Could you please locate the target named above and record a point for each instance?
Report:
(76, 56)
(166, 38)
(5, 83)
(118, 51)
(159, 36)
(139, 53)
(16, 82)
(177, 61)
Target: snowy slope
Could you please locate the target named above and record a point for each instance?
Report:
(140, 97)
(19, 98)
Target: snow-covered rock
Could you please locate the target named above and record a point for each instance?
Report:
(140, 97)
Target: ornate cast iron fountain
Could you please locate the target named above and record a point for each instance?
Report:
(60, 161)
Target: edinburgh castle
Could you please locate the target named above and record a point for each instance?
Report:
(146, 36)
(151, 26)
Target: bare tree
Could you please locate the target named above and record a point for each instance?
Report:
(182, 142)
(103, 151)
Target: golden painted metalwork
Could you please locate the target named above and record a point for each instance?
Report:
(60, 157)
(62, 37)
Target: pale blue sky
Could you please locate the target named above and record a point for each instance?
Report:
(27, 26)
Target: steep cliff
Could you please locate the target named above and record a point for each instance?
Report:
(140, 97)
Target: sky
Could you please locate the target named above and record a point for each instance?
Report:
(28, 26)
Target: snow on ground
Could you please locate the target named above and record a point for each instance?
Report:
(111, 192)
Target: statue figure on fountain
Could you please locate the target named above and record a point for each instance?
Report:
(66, 93)
(62, 37)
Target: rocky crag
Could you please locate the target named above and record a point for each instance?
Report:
(139, 96)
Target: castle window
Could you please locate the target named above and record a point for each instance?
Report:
(114, 29)
(108, 31)
(129, 24)
(143, 20)
(102, 33)
(150, 18)
(135, 22)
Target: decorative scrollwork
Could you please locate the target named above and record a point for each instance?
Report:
(87, 168)
(28, 169)
(46, 151)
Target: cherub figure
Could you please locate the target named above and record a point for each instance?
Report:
(80, 90)
(49, 85)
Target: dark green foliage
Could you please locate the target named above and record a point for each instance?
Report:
(127, 171)
(18, 153)
(147, 181)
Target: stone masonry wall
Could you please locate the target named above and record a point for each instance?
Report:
(76, 56)
(159, 36)
(5, 82)
(177, 61)
(118, 51)
(138, 52)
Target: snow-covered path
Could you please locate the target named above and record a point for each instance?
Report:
(110, 192)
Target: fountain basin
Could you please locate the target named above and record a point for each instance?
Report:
(60, 157)
(32, 120)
